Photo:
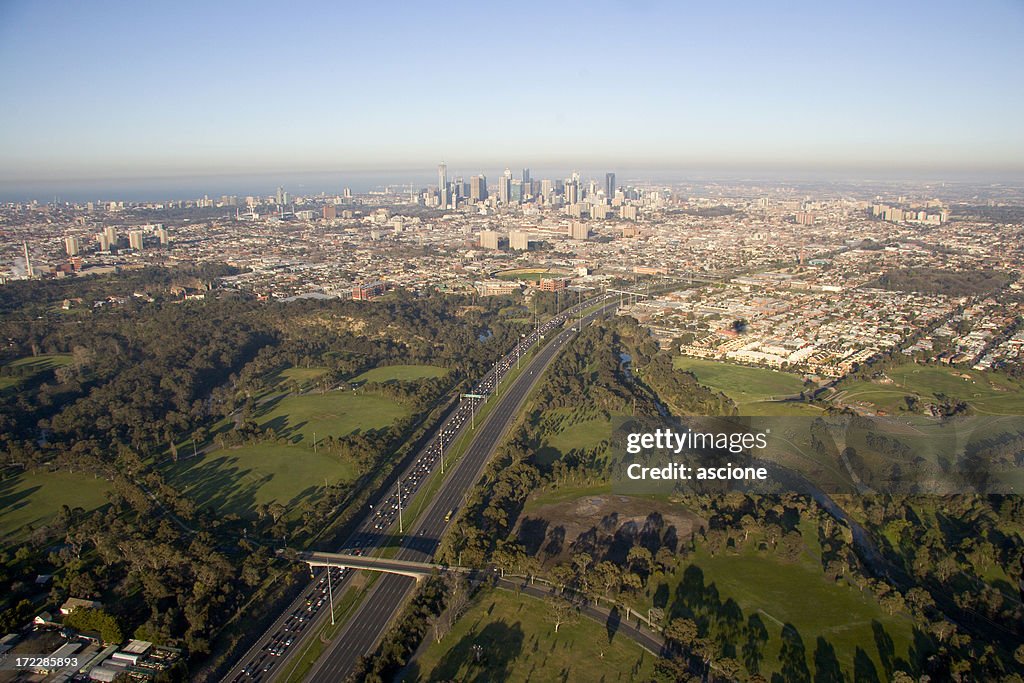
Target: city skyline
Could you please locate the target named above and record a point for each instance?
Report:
(124, 91)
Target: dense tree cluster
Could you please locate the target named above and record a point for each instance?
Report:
(143, 374)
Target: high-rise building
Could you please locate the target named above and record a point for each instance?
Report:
(526, 176)
(111, 232)
(572, 191)
(609, 186)
(488, 239)
(161, 234)
(519, 240)
(330, 212)
(478, 188)
(442, 185)
(547, 190)
(505, 187)
(135, 238)
(578, 230)
(72, 245)
(281, 197)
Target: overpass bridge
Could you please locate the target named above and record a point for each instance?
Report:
(410, 568)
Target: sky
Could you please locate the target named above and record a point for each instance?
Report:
(130, 89)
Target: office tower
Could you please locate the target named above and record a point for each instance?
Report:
(526, 176)
(347, 193)
(442, 184)
(330, 212)
(519, 240)
(609, 186)
(135, 238)
(478, 188)
(572, 191)
(516, 197)
(489, 239)
(505, 187)
(547, 190)
(280, 196)
(161, 234)
(578, 230)
(72, 245)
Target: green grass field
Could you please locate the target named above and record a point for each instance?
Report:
(300, 375)
(778, 592)
(335, 413)
(33, 365)
(519, 643)
(33, 498)
(391, 373)
(988, 393)
(237, 479)
(752, 388)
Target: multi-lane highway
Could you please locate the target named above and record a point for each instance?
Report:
(270, 655)
(365, 627)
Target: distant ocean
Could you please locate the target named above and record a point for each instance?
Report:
(180, 187)
(183, 187)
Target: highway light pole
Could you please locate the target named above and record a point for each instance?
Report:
(401, 525)
(330, 591)
(472, 407)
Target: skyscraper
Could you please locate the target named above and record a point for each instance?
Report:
(478, 188)
(72, 245)
(505, 187)
(442, 184)
(526, 176)
(572, 191)
(609, 186)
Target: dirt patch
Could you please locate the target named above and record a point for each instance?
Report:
(605, 526)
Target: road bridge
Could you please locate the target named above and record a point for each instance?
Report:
(410, 568)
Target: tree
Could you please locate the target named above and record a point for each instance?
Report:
(561, 611)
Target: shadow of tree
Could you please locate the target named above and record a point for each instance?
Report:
(863, 668)
(483, 656)
(793, 657)
(826, 664)
(613, 622)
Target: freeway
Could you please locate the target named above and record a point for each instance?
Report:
(363, 630)
(270, 655)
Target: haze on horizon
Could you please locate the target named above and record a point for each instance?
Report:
(117, 89)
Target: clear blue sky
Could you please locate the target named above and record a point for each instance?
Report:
(126, 88)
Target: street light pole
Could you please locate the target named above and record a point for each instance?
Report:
(401, 525)
(330, 591)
